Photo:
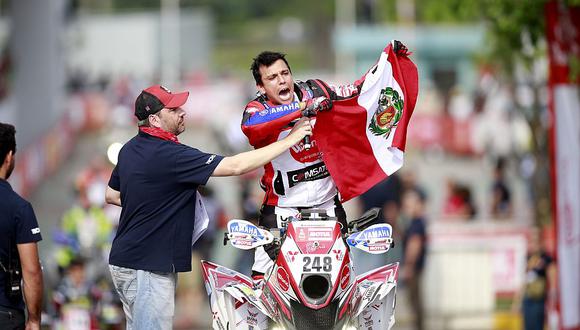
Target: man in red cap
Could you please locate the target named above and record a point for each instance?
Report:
(155, 182)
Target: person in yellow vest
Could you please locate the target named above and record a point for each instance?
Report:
(86, 230)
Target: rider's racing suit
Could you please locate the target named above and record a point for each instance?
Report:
(298, 178)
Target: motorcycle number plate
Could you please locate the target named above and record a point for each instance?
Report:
(317, 264)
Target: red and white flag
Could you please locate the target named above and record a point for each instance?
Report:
(363, 138)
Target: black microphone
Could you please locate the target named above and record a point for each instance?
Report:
(307, 144)
(308, 112)
(319, 103)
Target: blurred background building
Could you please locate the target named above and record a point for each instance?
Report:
(478, 142)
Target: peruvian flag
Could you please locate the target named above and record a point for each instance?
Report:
(363, 138)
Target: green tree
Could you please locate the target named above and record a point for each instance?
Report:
(515, 39)
(516, 36)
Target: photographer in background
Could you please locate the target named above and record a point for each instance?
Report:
(20, 270)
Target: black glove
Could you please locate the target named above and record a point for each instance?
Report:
(316, 104)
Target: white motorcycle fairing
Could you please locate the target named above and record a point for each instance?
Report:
(311, 275)
(312, 284)
(233, 302)
(373, 306)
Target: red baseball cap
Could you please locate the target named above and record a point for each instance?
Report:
(155, 98)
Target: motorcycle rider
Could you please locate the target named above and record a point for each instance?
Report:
(298, 178)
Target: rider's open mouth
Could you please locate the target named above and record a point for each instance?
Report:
(284, 93)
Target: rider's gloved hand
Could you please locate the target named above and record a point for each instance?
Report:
(316, 104)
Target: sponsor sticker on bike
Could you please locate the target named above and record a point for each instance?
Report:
(375, 239)
(320, 234)
(344, 277)
(291, 256)
(283, 280)
(245, 235)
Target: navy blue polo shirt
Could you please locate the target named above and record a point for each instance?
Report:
(18, 225)
(158, 180)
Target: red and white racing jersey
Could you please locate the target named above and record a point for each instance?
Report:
(298, 177)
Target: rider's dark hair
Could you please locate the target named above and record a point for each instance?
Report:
(7, 140)
(266, 58)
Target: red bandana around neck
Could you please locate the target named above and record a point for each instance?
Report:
(160, 133)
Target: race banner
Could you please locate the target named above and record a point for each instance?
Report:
(563, 34)
(363, 138)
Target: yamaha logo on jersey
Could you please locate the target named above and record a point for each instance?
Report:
(281, 108)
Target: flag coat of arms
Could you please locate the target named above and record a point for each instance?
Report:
(363, 138)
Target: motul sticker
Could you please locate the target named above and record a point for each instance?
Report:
(378, 247)
(315, 234)
(320, 234)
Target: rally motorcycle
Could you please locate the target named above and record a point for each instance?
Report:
(312, 284)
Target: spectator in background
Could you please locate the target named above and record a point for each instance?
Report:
(453, 204)
(386, 191)
(414, 250)
(501, 206)
(459, 203)
(469, 211)
(86, 229)
(216, 213)
(409, 181)
(20, 270)
(252, 196)
(386, 195)
(539, 284)
(74, 288)
(251, 199)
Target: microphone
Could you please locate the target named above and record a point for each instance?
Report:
(312, 106)
(309, 111)
(306, 141)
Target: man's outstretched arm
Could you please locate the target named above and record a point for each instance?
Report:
(251, 160)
